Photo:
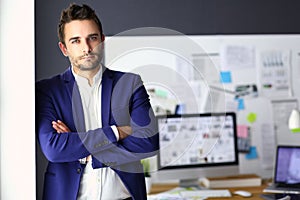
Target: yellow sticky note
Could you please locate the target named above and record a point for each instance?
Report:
(251, 117)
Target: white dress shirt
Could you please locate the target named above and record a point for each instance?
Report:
(102, 183)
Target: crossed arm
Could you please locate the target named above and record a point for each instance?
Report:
(61, 127)
(60, 141)
(61, 144)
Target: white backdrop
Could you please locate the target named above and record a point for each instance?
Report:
(17, 132)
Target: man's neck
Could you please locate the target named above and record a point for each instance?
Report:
(88, 74)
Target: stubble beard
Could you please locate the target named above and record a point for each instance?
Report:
(90, 67)
(87, 65)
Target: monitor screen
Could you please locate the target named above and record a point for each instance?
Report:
(197, 145)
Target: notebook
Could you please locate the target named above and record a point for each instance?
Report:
(287, 171)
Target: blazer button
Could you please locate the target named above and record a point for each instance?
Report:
(78, 170)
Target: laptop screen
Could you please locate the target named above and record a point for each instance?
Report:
(287, 169)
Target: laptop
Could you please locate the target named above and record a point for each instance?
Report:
(287, 171)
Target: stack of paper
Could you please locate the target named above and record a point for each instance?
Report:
(242, 180)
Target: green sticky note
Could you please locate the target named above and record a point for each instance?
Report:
(295, 130)
(251, 117)
(161, 93)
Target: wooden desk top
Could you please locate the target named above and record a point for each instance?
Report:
(256, 191)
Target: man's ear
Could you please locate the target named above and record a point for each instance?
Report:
(102, 37)
(63, 49)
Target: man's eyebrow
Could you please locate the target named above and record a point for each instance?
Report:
(93, 34)
(74, 38)
(90, 35)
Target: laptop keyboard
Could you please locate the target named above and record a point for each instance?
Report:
(284, 185)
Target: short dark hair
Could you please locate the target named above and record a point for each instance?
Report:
(76, 12)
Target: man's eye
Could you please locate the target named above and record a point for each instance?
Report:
(75, 41)
(94, 38)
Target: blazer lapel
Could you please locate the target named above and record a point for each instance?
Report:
(107, 85)
(69, 80)
(75, 100)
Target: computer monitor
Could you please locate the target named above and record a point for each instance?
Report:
(197, 145)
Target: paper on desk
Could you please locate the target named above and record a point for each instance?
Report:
(173, 194)
(165, 197)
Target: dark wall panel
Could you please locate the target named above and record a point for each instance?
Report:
(257, 17)
(192, 17)
(189, 17)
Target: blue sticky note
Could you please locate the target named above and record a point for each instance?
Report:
(241, 105)
(252, 154)
(225, 77)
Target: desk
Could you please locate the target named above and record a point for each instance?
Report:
(256, 191)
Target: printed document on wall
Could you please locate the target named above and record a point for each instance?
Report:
(269, 145)
(206, 67)
(275, 73)
(237, 57)
(281, 113)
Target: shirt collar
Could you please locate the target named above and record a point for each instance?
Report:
(82, 80)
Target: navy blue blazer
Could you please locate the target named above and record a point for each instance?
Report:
(124, 102)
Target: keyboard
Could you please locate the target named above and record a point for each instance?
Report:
(205, 193)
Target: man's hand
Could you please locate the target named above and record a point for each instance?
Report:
(124, 131)
(60, 127)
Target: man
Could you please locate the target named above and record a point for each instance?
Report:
(94, 125)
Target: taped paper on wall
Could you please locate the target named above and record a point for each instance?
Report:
(275, 79)
(237, 57)
(269, 145)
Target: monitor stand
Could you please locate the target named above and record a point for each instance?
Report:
(186, 183)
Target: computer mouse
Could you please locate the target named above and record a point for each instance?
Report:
(242, 193)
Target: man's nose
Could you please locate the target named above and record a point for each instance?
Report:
(86, 47)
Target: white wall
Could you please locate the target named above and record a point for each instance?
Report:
(132, 54)
(17, 136)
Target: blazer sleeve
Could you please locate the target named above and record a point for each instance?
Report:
(53, 103)
(143, 142)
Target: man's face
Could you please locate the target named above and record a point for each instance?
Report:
(83, 44)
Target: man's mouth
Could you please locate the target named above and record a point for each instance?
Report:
(88, 57)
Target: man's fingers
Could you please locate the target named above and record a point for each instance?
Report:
(63, 126)
(127, 129)
(60, 127)
(56, 127)
(124, 131)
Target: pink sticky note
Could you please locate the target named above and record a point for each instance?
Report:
(242, 131)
